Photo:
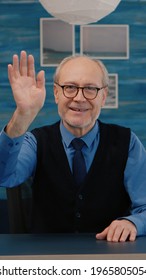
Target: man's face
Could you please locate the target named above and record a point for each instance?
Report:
(79, 114)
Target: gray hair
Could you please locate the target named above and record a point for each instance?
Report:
(99, 63)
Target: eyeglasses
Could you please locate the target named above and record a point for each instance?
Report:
(71, 91)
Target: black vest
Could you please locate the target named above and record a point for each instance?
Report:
(57, 204)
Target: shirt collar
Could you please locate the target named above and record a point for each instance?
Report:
(88, 138)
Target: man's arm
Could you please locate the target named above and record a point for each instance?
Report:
(17, 153)
(135, 183)
(17, 159)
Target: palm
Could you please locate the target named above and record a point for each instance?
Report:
(29, 92)
(26, 93)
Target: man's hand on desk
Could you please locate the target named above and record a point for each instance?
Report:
(119, 231)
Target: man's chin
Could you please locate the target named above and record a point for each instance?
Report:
(82, 126)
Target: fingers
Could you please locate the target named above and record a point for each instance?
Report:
(41, 79)
(117, 234)
(24, 67)
(10, 73)
(23, 63)
(119, 231)
(102, 235)
(16, 66)
(13, 69)
(31, 67)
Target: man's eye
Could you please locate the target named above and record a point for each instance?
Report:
(90, 88)
(71, 87)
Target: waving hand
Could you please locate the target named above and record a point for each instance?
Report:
(28, 91)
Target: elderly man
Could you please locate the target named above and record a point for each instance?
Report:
(88, 176)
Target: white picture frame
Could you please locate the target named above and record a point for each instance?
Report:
(57, 40)
(112, 97)
(105, 41)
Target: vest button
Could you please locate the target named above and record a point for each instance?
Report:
(80, 196)
(78, 215)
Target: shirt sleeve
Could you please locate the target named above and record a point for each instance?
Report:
(17, 159)
(135, 183)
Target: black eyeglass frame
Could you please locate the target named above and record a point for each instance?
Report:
(82, 88)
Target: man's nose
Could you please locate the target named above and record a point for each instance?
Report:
(80, 95)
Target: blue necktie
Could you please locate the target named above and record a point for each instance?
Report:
(79, 166)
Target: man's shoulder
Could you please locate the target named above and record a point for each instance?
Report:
(115, 133)
(45, 128)
(113, 126)
(47, 134)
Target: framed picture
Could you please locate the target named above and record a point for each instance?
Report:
(105, 41)
(112, 98)
(56, 41)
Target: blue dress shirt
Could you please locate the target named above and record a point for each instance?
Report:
(18, 158)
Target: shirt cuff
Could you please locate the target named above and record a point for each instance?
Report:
(8, 143)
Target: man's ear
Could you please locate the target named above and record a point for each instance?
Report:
(56, 93)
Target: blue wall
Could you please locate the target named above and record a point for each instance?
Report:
(20, 29)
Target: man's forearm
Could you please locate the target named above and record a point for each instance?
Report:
(18, 124)
(9, 151)
(17, 159)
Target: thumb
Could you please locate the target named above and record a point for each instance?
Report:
(102, 235)
(41, 79)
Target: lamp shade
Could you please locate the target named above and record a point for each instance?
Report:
(79, 12)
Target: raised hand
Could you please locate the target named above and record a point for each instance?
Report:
(29, 92)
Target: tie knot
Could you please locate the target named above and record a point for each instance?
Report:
(78, 144)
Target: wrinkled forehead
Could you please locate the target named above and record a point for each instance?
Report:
(81, 68)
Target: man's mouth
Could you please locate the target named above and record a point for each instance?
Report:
(78, 109)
